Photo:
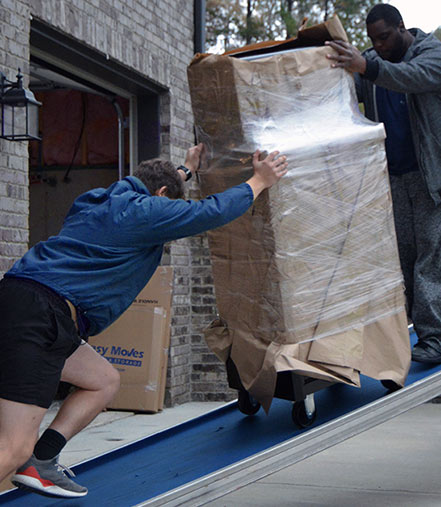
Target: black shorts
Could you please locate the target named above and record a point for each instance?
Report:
(37, 335)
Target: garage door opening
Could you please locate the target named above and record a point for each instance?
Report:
(98, 119)
(85, 144)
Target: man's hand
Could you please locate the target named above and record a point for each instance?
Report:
(348, 57)
(267, 172)
(193, 158)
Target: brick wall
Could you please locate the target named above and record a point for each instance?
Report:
(14, 201)
(208, 374)
(154, 38)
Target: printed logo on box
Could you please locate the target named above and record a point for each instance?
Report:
(120, 355)
(142, 301)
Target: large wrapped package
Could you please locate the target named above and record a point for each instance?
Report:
(308, 280)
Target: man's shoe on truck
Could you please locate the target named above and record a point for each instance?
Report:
(427, 351)
(47, 477)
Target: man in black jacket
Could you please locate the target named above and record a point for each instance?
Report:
(399, 82)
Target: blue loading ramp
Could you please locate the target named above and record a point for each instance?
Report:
(183, 463)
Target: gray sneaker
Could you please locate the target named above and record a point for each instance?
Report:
(47, 477)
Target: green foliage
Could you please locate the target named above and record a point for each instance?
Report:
(240, 22)
(438, 32)
(223, 21)
(290, 24)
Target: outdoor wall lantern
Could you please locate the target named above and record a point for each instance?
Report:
(19, 111)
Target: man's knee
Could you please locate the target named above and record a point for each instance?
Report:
(111, 382)
(108, 383)
(114, 380)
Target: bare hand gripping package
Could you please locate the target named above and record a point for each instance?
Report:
(308, 280)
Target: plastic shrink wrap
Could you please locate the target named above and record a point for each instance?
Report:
(308, 280)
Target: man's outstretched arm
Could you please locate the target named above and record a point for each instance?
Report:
(173, 219)
(421, 74)
(266, 171)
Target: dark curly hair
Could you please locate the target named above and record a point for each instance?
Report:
(156, 173)
(388, 13)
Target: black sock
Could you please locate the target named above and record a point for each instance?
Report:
(49, 445)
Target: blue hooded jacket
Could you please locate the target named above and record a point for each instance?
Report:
(111, 243)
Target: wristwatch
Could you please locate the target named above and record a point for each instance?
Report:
(188, 173)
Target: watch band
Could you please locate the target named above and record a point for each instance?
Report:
(188, 173)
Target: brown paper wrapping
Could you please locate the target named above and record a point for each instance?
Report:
(308, 280)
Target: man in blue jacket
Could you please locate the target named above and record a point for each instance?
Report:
(399, 82)
(76, 284)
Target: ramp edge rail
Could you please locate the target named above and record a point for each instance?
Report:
(300, 447)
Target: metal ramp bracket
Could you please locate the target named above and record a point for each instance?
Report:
(247, 471)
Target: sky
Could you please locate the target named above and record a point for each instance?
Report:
(424, 14)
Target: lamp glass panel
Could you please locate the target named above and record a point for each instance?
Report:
(19, 126)
(33, 120)
(7, 120)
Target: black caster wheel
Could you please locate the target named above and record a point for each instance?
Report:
(390, 385)
(247, 404)
(304, 413)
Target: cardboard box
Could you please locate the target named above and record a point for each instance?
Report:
(308, 279)
(137, 346)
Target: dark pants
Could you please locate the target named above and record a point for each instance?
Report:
(418, 228)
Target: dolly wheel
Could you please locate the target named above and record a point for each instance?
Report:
(304, 412)
(390, 385)
(247, 404)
